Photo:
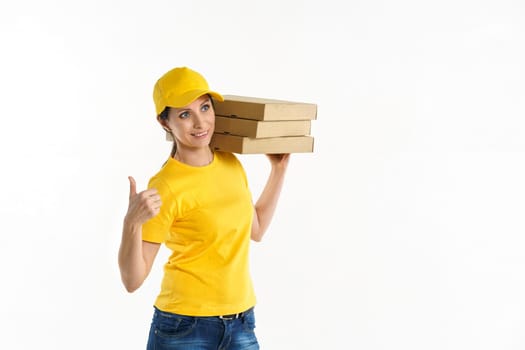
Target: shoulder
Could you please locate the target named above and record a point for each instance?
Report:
(164, 176)
(226, 157)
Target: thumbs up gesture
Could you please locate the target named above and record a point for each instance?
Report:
(142, 206)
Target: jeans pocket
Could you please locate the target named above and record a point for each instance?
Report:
(173, 326)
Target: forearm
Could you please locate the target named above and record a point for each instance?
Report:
(132, 265)
(267, 202)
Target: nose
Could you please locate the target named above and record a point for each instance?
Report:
(198, 120)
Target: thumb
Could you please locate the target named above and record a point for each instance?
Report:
(132, 186)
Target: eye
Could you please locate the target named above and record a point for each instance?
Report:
(184, 115)
(205, 107)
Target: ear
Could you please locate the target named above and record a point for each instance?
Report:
(164, 124)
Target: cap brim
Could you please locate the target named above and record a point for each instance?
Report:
(190, 96)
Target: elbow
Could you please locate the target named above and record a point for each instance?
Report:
(131, 287)
(131, 284)
(257, 237)
(130, 290)
(257, 233)
(131, 278)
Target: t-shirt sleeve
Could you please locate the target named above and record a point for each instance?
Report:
(156, 229)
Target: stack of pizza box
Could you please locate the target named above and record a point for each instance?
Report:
(249, 125)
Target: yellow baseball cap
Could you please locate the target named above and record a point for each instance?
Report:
(179, 87)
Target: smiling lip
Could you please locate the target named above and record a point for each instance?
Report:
(200, 134)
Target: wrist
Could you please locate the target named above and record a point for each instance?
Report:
(278, 169)
(130, 224)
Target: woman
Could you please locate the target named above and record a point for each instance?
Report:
(199, 205)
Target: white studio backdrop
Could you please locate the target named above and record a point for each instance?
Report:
(403, 230)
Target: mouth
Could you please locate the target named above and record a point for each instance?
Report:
(200, 134)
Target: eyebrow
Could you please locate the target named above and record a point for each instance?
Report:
(208, 99)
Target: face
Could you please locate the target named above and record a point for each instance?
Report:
(192, 125)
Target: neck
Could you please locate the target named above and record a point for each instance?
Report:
(200, 157)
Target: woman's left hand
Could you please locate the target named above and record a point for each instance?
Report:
(279, 160)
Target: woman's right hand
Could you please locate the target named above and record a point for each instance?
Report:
(142, 206)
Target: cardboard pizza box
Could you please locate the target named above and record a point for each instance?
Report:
(248, 145)
(260, 129)
(256, 108)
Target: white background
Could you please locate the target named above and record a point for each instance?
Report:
(403, 230)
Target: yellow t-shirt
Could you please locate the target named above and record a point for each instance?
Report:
(205, 220)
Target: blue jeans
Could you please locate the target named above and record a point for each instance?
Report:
(173, 332)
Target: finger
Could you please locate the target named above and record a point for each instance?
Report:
(148, 194)
(155, 212)
(150, 199)
(132, 186)
(156, 199)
